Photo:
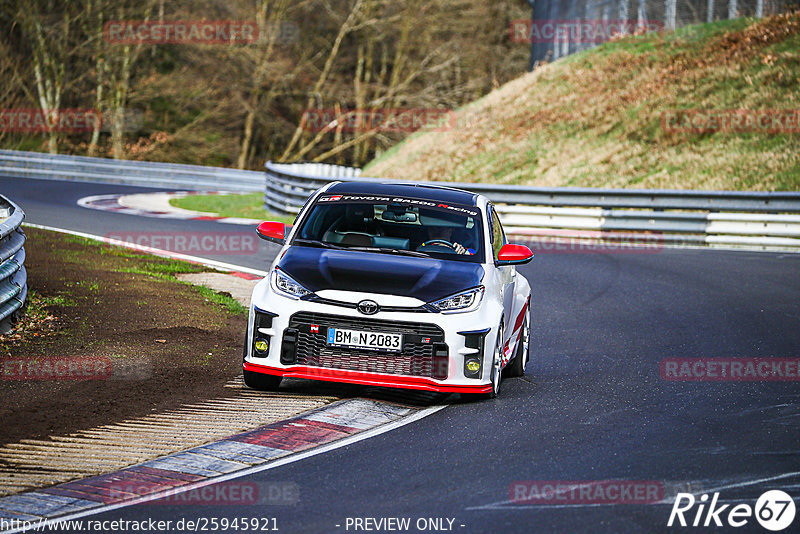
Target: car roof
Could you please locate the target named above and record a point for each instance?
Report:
(416, 190)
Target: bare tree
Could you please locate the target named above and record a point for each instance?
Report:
(397, 58)
(347, 26)
(232, 104)
(270, 17)
(119, 63)
(93, 23)
(50, 28)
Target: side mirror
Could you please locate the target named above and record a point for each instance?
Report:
(272, 231)
(514, 255)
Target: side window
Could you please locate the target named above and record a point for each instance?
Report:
(498, 235)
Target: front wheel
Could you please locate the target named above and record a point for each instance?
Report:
(261, 381)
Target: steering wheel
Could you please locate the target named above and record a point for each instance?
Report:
(442, 242)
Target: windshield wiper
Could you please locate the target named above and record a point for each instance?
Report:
(325, 244)
(320, 244)
(402, 252)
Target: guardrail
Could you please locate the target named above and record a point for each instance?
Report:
(289, 185)
(766, 220)
(18, 164)
(13, 278)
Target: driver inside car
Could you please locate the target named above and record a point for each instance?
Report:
(446, 235)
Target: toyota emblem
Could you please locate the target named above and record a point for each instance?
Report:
(368, 307)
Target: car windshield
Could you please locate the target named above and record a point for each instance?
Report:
(404, 226)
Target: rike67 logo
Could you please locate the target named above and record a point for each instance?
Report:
(774, 510)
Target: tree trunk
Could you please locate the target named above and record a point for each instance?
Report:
(49, 72)
(118, 101)
(270, 27)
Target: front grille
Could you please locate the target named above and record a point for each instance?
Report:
(418, 358)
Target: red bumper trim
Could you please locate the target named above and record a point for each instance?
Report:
(366, 379)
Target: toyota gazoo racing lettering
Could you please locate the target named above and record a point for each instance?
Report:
(396, 200)
(398, 285)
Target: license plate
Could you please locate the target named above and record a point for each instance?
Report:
(359, 339)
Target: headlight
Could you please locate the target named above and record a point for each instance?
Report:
(286, 285)
(460, 302)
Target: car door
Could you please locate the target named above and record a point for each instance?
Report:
(506, 278)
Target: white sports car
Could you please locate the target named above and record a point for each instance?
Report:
(397, 285)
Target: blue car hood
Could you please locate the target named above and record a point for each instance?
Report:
(426, 279)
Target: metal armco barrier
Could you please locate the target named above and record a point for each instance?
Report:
(762, 220)
(17, 164)
(289, 185)
(13, 278)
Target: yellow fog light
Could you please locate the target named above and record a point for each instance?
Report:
(262, 346)
(473, 366)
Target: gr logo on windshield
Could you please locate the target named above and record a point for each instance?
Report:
(368, 307)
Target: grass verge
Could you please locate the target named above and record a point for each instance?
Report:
(166, 342)
(248, 206)
(594, 119)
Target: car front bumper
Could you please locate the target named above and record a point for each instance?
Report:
(365, 379)
(455, 329)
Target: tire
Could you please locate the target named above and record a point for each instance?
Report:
(496, 372)
(516, 367)
(261, 381)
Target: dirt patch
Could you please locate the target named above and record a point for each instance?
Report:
(112, 335)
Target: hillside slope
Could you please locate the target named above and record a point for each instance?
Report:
(595, 119)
